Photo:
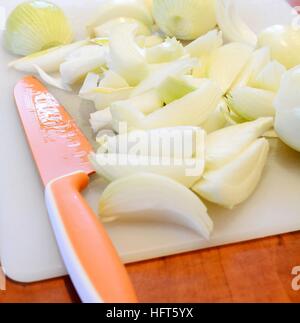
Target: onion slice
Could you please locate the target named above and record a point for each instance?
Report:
(226, 144)
(227, 62)
(233, 183)
(49, 60)
(51, 80)
(149, 197)
(185, 20)
(233, 27)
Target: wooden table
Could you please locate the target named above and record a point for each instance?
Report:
(255, 271)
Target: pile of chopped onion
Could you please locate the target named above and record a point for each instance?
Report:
(227, 85)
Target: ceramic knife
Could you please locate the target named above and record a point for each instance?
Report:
(61, 151)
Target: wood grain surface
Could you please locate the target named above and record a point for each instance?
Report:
(255, 271)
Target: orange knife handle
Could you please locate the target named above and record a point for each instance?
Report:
(89, 256)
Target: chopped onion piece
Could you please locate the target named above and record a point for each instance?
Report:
(259, 59)
(204, 45)
(169, 50)
(88, 59)
(226, 144)
(146, 103)
(113, 80)
(284, 43)
(270, 77)
(48, 60)
(112, 9)
(104, 97)
(174, 142)
(169, 202)
(287, 103)
(217, 119)
(91, 81)
(148, 41)
(101, 119)
(126, 58)
(251, 103)
(53, 81)
(176, 68)
(233, 27)
(115, 166)
(184, 20)
(174, 88)
(191, 110)
(227, 62)
(105, 29)
(234, 183)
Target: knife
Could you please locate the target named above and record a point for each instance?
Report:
(61, 151)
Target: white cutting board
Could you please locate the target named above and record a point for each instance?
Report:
(27, 247)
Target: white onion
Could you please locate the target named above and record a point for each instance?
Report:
(149, 197)
(184, 19)
(284, 43)
(36, 25)
(233, 183)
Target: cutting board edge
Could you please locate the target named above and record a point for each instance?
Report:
(131, 258)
